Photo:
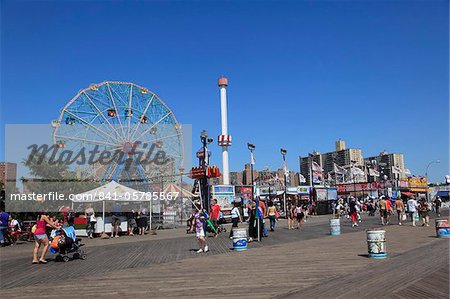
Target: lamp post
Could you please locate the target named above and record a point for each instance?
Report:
(283, 154)
(181, 187)
(251, 148)
(204, 163)
(426, 172)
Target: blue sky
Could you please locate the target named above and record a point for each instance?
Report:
(301, 73)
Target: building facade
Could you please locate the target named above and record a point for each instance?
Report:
(387, 164)
(8, 173)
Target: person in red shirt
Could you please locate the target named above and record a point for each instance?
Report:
(388, 210)
(214, 215)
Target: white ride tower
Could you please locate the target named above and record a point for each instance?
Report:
(224, 140)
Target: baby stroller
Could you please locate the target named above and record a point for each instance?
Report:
(64, 242)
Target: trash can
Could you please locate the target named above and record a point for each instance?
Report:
(376, 243)
(335, 227)
(442, 228)
(239, 239)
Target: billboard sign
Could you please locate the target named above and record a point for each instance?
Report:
(224, 194)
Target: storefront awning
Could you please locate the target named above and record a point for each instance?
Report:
(443, 193)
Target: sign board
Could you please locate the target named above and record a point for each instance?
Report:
(244, 192)
(417, 182)
(224, 194)
(332, 194)
(303, 189)
(321, 194)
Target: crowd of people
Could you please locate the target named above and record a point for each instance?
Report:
(256, 213)
(297, 212)
(261, 215)
(388, 208)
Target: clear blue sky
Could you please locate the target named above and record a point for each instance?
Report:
(302, 73)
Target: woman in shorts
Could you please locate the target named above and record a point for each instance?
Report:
(40, 238)
(290, 216)
(299, 215)
(199, 231)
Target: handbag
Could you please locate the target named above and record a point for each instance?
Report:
(92, 218)
(403, 217)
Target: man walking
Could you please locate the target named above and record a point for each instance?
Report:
(214, 216)
(437, 206)
(412, 209)
(383, 210)
(115, 219)
(400, 208)
(353, 212)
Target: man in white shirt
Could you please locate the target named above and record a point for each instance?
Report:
(412, 209)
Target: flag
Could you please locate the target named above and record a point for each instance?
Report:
(285, 169)
(302, 179)
(407, 172)
(356, 171)
(317, 180)
(396, 169)
(316, 167)
(338, 169)
(252, 159)
(373, 172)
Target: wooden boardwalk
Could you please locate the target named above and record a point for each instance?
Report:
(293, 264)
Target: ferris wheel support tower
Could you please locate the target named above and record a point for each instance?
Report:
(224, 140)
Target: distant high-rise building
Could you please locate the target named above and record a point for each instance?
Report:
(305, 165)
(8, 173)
(387, 163)
(340, 145)
(343, 156)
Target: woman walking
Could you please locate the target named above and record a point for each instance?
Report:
(91, 220)
(40, 238)
(198, 222)
(235, 218)
(290, 216)
(299, 215)
(272, 214)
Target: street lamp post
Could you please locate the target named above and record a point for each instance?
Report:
(283, 154)
(426, 172)
(251, 148)
(204, 162)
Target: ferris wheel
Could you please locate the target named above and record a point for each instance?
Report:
(126, 120)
